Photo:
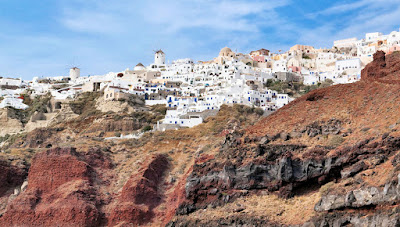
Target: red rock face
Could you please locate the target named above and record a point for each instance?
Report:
(140, 195)
(374, 70)
(53, 168)
(69, 188)
(383, 66)
(60, 193)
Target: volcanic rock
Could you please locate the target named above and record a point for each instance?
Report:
(140, 195)
(60, 191)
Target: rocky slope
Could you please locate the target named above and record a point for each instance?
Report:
(78, 178)
(60, 188)
(339, 144)
(330, 158)
(11, 177)
(9, 124)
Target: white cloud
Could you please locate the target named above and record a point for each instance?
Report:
(358, 5)
(169, 16)
(91, 22)
(341, 8)
(375, 22)
(352, 20)
(211, 14)
(179, 26)
(112, 35)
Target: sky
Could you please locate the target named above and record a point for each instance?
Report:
(47, 37)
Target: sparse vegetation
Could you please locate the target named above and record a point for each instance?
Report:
(259, 111)
(147, 117)
(134, 100)
(295, 89)
(242, 109)
(85, 102)
(117, 134)
(4, 138)
(232, 115)
(326, 188)
(200, 153)
(396, 52)
(60, 85)
(335, 141)
(85, 105)
(39, 104)
(305, 56)
(117, 117)
(160, 108)
(147, 128)
(10, 139)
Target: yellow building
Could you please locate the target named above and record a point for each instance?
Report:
(299, 47)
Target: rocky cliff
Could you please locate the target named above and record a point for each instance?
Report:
(329, 158)
(338, 146)
(60, 188)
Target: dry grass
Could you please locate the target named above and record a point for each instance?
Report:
(292, 211)
(365, 104)
(378, 175)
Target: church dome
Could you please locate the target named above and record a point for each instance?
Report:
(226, 51)
(139, 67)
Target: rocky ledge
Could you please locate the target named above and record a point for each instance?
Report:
(274, 168)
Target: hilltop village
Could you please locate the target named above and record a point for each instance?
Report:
(191, 91)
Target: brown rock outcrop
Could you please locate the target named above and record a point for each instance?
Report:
(55, 167)
(39, 137)
(374, 70)
(60, 192)
(383, 66)
(337, 148)
(345, 152)
(110, 125)
(69, 188)
(141, 194)
(9, 125)
(10, 176)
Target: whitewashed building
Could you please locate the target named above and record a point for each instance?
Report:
(14, 102)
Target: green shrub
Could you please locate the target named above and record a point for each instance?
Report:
(135, 100)
(269, 83)
(85, 102)
(117, 117)
(305, 56)
(4, 138)
(10, 139)
(259, 111)
(147, 128)
(161, 109)
(39, 104)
